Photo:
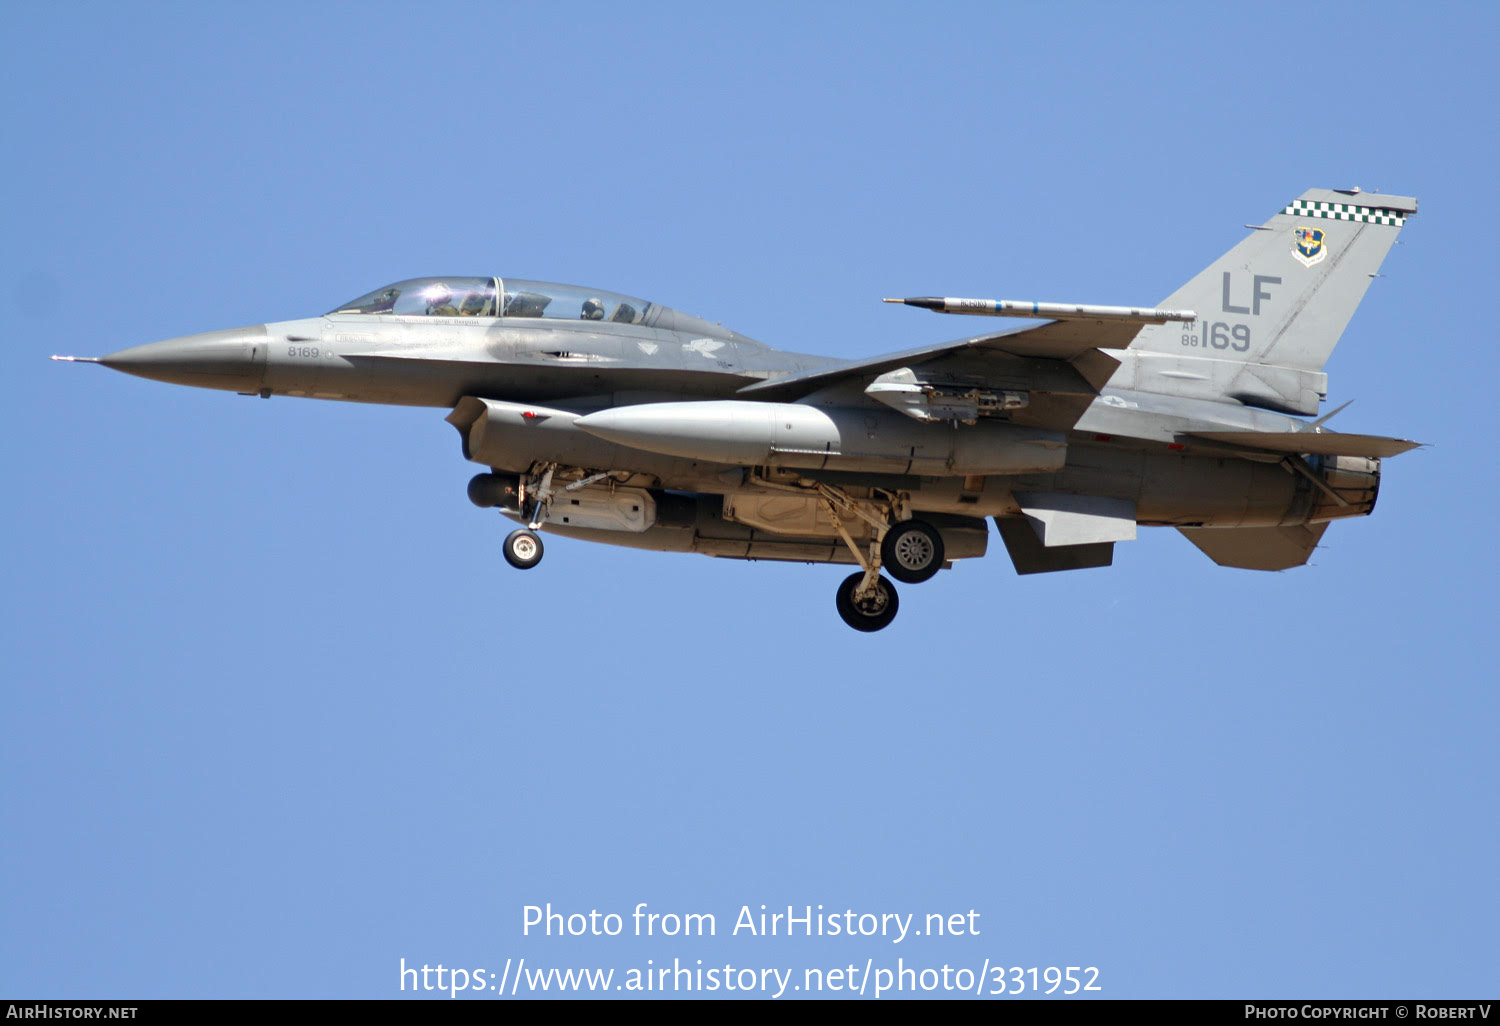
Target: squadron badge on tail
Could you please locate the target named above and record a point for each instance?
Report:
(1308, 246)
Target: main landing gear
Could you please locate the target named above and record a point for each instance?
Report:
(910, 549)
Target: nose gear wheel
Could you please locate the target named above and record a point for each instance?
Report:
(523, 549)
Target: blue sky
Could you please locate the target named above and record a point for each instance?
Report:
(277, 715)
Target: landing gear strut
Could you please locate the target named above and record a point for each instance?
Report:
(536, 495)
(523, 548)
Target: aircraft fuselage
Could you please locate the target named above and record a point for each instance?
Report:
(1121, 446)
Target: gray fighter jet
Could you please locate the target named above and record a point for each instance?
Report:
(613, 419)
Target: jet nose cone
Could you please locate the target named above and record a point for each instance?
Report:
(233, 359)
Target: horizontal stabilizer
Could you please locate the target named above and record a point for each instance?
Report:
(1063, 519)
(1316, 443)
(1030, 556)
(1256, 548)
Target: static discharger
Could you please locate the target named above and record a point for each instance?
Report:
(1058, 311)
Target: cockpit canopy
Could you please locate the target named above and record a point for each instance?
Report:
(476, 297)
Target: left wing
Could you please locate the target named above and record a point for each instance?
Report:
(1078, 342)
(1077, 337)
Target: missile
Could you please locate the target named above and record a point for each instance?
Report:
(1056, 311)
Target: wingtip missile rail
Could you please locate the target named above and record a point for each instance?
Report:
(1055, 311)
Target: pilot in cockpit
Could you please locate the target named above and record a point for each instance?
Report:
(475, 304)
(593, 310)
(384, 302)
(440, 301)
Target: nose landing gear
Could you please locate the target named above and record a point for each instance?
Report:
(529, 495)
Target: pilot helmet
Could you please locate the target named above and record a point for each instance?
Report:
(437, 294)
(593, 309)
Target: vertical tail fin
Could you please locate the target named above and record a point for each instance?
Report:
(1272, 308)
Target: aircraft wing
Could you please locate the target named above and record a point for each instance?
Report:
(1078, 341)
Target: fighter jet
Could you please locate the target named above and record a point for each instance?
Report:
(613, 419)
